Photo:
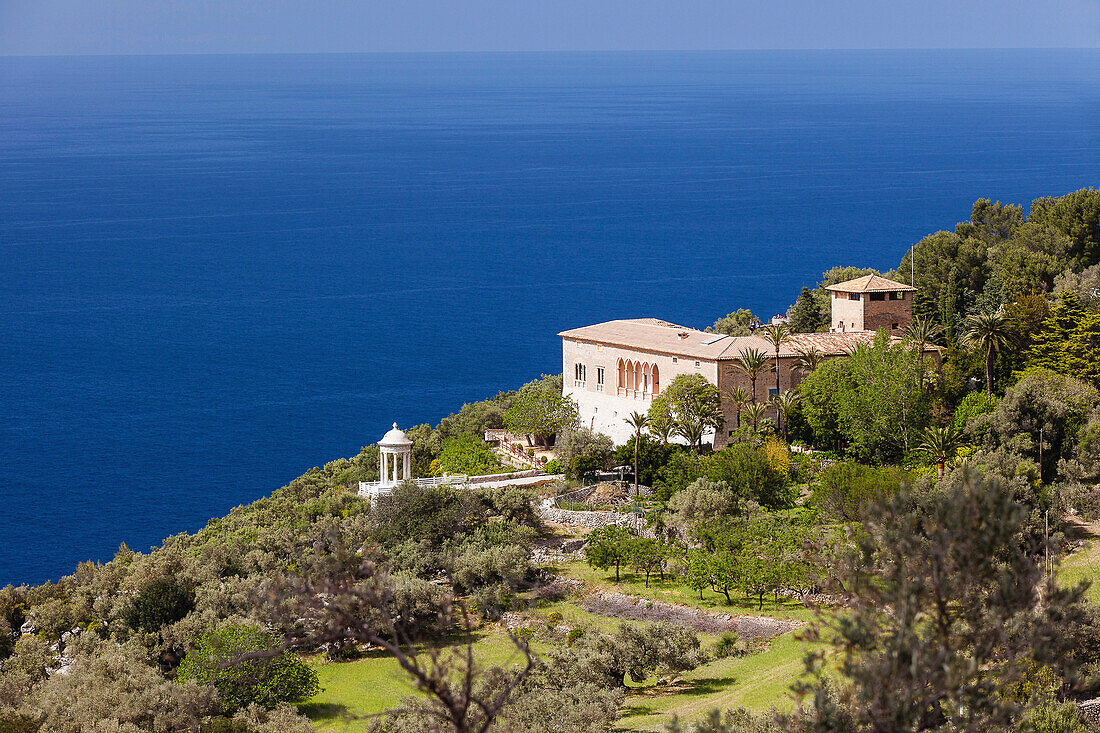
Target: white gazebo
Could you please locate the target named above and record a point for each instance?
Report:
(394, 458)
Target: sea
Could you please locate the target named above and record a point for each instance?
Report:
(219, 271)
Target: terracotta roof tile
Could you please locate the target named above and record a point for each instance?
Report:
(870, 284)
(652, 334)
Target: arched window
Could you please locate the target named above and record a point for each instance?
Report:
(637, 376)
(622, 374)
(645, 378)
(630, 375)
(655, 384)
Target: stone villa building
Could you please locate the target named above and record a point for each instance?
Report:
(612, 369)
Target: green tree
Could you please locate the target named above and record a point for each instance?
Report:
(846, 490)
(245, 666)
(467, 454)
(738, 397)
(940, 443)
(947, 583)
(749, 473)
(638, 422)
(1076, 215)
(647, 556)
(1030, 260)
(806, 315)
(737, 323)
(582, 450)
(819, 404)
(755, 412)
(950, 268)
(703, 499)
(922, 331)
(808, 360)
(609, 547)
(776, 334)
(785, 403)
(691, 402)
(1068, 341)
(161, 602)
(540, 411)
(750, 363)
(989, 333)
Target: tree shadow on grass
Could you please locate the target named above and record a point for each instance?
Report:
(317, 711)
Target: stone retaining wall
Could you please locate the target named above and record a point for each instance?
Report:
(589, 520)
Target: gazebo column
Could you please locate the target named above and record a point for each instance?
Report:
(382, 477)
(408, 465)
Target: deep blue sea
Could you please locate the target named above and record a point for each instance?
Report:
(218, 271)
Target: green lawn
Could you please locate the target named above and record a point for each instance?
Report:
(758, 682)
(1084, 565)
(350, 690)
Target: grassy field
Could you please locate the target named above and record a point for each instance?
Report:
(351, 690)
(1084, 564)
(758, 682)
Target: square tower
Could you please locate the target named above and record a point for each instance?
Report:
(869, 303)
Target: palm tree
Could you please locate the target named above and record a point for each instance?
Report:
(739, 396)
(691, 431)
(923, 330)
(990, 333)
(661, 429)
(639, 421)
(754, 412)
(777, 334)
(808, 359)
(941, 444)
(784, 403)
(750, 363)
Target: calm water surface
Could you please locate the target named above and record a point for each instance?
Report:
(216, 272)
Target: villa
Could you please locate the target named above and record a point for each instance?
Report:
(612, 369)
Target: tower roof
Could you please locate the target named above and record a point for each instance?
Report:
(395, 438)
(870, 284)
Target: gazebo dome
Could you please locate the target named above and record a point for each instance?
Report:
(395, 438)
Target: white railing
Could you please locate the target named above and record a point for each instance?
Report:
(377, 488)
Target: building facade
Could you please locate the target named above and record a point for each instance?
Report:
(615, 368)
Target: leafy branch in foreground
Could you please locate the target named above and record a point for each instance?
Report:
(345, 597)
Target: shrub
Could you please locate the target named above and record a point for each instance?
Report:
(553, 467)
(265, 680)
(728, 645)
(847, 489)
(160, 603)
(971, 406)
(13, 722)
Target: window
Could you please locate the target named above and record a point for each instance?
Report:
(878, 296)
(772, 391)
(579, 374)
(894, 326)
(599, 379)
(897, 296)
(674, 360)
(696, 363)
(853, 296)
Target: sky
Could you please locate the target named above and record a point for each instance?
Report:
(51, 27)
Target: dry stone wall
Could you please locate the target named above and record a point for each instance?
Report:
(588, 520)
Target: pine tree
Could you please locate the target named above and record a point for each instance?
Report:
(1068, 341)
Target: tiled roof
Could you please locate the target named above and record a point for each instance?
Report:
(651, 334)
(869, 284)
